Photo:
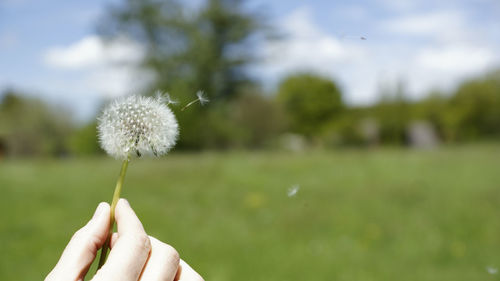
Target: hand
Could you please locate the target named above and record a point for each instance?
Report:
(134, 255)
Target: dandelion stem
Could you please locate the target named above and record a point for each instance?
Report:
(116, 196)
(189, 104)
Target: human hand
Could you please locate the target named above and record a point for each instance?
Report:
(134, 255)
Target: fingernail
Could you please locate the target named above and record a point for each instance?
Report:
(99, 210)
(125, 201)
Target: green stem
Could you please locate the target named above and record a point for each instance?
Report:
(116, 196)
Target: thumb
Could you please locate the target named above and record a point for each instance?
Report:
(82, 248)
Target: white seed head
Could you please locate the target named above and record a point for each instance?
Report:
(137, 125)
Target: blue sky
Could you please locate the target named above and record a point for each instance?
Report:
(50, 48)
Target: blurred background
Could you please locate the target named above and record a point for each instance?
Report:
(343, 140)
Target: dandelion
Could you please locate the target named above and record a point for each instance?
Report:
(200, 97)
(135, 126)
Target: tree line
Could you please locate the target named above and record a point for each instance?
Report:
(305, 105)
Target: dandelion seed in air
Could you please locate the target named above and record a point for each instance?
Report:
(165, 96)
(347, 36)
(200, 97)
(168, 99)
(292, 191)
(492, 270)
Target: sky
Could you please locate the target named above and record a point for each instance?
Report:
(50, 49)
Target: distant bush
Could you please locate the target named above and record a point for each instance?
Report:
(310, 102)
(30, 127)
(83, 140)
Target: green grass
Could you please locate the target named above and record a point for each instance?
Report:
(359, 215)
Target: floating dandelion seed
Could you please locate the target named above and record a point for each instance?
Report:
(200, 97)
(492, 270)
(167, 97)
(292, 191)
(347, 36)
(137, 125)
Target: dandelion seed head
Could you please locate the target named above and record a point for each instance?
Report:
(137, 125)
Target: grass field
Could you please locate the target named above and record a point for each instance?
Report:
(386, 214)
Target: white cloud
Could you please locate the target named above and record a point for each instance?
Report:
(348, 60)
(438, 25)
(443, 67)
(104, 68)
(92, 51)
(448, 49)
(306, 47)
(455, 59)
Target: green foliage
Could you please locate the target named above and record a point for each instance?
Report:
(310, 102)
(84, 140)
(393, 117)
(260, 117)
(30, 127)
(435, 109)
(472, 112)
(346, 131)
(358, 215)
(476, 108)
(248, 121)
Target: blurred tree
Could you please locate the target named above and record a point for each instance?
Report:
(250, 120)
(474, 110)
(30, 127)
(393, 114)
(84, 140)
(310, 102)
(187, 50)
(344, 129)
(434, 109)
(261, 118)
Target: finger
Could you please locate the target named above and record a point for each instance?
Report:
(162, 264)
(186, 273)
(114, 238)
(83, 246)
(131, 249)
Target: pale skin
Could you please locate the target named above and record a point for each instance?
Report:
(134, 255)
